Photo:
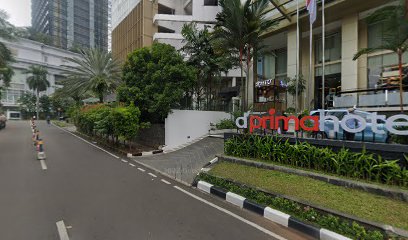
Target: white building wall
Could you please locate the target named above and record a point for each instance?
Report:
(120, 9)
(184, 126)
(28, 53)
(203, 13)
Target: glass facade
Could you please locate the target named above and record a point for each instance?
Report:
(379, 66)
(272, 67)
(72, 23)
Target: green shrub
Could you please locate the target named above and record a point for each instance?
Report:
(226, 124)
(120, 123)
(361, 165)
(305, 213)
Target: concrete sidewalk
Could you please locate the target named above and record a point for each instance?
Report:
(186, 163)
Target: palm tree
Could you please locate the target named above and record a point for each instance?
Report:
(203, 56)
(240, 26)
(37, 82)
(395, 36)
(97, 72)
(258, 25)
(230, 31)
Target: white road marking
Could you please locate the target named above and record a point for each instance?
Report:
(123, 160)
(113, 155)
(62, 230)
(141, 169)
(133, 165)
(43, 165)
(166, 182)
(266, 231)
(151, 174)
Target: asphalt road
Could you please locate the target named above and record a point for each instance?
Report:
(102, 197)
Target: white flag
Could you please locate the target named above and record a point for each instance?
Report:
(312, 8)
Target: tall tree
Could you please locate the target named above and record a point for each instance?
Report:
(38, 83)
(394, 36)
(231, 32)
(208, 62)
(239, 27)
(97, 72)
(156, 79)
(7, 32)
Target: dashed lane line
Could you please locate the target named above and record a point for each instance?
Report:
(62, 230)
(141, 169)
(123, 160)
(266, 231)
(166, 182)
(43, 165)
(151, 174)
(132, 165)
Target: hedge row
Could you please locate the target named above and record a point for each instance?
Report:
(305, 213)
(361, 165)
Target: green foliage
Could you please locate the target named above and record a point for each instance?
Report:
(226, 124)
(45, 104)
(27, 102)
(97, 72)
(156, 80)
(38, 79)
(208, 61)
(301, 84)
(60, 103)
(305, 213)
(101, 120)
(7, 32)
(126, 121)
(32, 34)
(361, 165)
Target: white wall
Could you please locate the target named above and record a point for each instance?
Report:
(183, 126)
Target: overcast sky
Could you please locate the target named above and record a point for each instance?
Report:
(18, 10)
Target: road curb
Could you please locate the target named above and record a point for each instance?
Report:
(139, 154)
(270, 213)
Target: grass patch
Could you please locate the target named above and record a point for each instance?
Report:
(61, 124)
(395, 187)
(350, 201)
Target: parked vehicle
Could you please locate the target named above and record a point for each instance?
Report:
(3, 121)
(367, 135)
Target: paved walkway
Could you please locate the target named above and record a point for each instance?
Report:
(185, 164)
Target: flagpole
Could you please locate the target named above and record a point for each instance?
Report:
(310, 64)
(323, 55)
(297, 58)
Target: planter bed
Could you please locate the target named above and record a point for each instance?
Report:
(387, 151)
(233, 182)
(383, 190)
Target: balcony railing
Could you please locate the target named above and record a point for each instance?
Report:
(370, 98)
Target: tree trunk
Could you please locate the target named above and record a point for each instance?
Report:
(101, 98)
(37, 105)
(400, 77)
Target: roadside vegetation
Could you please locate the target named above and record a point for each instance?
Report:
(362, 165)
(117, 125)
(350, 201)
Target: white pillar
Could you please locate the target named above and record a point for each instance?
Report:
(291, 70)
(349, 46)
(234, 82)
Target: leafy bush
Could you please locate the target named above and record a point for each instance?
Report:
(305, 213)
(226, 124)
(110, 123)
(155, 79)
(362, 165)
